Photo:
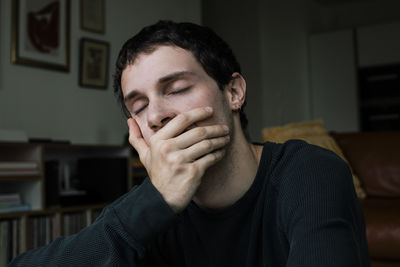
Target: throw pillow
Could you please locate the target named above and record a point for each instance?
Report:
(313, 132)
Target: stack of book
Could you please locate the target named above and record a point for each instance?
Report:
(43, 229)
(11, 202)
(74, 222)
(19, 168)
(11, 240)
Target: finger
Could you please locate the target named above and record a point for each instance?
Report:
(204, 147)
(182, 121)
(210, 159)
(198, 134)
(136, 137)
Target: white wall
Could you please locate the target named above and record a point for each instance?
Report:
(239, 28)
(333, 76)
(378, 44)
(344, 14)
(284, 54)
(50, 104)
(279, 66)
(269, 39)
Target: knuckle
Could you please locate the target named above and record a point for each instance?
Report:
(183, 117)
(164, 148)
(178, 159)
(176, 168)
(202, 132)
(208, 144)
(214, 157)
(219, 154)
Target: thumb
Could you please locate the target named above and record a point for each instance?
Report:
(136, 138)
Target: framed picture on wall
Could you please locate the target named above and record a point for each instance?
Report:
(40, 33)
(92, 15)
(93, 67)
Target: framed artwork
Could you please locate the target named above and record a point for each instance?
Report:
(93, 63)
(40, 33)
(92, 15)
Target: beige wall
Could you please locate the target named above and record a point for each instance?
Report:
(278, 67)
(50, 104)
(269, 39)
(238, 26)
(330, 15)
(284, 56)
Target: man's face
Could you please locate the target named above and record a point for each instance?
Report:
(167, 82)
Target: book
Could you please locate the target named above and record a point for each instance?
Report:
(56, 221)
(15, 237)
(15, 208)
(19, 173)
(14, 168)
(18, 165)
(22, 234)
(4, 244)
(8, 199)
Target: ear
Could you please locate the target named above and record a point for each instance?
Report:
(236, 91)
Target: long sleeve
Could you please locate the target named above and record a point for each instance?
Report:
(321, 214)
(117, 238)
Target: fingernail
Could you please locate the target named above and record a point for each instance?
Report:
(226, 128)
(208, 109)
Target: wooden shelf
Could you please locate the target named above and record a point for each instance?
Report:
(51, 211)
(34, 189)
(12, 178)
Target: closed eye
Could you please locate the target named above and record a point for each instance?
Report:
(179, 91)
(138, 105)
(136, 112)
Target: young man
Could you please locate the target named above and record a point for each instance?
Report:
(212, 198)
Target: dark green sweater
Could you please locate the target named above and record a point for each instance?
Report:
(301, 210)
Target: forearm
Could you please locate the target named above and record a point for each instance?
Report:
(119, 236)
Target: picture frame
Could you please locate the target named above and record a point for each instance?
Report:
(92, 15)
(41, 33)
(93, 65)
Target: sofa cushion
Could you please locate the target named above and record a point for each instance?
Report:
(375, 159)
(382, 219)
(313, 132)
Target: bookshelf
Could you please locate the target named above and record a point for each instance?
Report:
(25, 180)
(379, 98)
(49, 190)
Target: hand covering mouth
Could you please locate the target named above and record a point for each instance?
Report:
(194, 125)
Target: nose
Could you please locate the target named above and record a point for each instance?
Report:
(159, 114)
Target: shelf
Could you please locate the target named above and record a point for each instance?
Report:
(17, 178)
(52, 166)
(52, 211)
(66, 209)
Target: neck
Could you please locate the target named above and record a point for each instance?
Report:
(227, 181)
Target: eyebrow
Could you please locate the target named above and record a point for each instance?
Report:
(174, 76)
(165, 79)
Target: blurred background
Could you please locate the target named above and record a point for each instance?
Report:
(302, 59)
(325, 71)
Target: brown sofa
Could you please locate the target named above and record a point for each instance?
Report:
(375, 159)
